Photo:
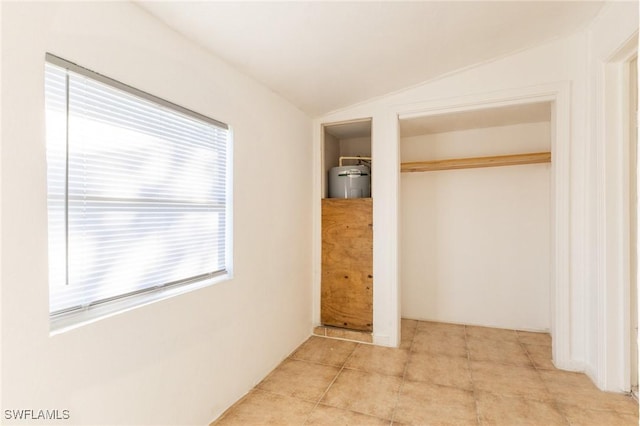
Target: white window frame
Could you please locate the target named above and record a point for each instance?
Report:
(67, 319)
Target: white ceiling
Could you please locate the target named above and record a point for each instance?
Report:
(327, 55)
(349, 130)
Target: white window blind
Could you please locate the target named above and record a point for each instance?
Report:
(137, 190)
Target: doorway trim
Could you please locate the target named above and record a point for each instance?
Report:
(612, 370)
(559, 94)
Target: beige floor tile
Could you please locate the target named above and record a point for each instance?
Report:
(508, 380)
(498, 334)
(441, 328)
(325, 351)
(300, 379)
(428, 404)
(576, 389)
(630, 418)
(378, 359)
(405, 343)
(566, 379)
(581, 416)
(497, 351)
(531, 338)
(367, 393)
(439, 369)
(264, 408)
(435, 343)
(407, 331)
(507, 411)
(408, 323)
(541, 356)
(331, 416)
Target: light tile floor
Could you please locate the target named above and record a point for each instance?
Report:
(442, 374)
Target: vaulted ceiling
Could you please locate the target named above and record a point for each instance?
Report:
(327, 55)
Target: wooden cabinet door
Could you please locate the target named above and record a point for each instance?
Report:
(347, 263)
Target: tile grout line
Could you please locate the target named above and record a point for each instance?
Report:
(554, 401)
(331, 384)
(257, 387)
(531, 351)
(473, 384)
(404, 373)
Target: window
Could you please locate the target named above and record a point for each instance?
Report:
(138, 193)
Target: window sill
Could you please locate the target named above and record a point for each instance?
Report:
(77, 319)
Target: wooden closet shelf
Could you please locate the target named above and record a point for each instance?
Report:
(471, 163)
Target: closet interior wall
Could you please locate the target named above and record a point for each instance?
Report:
(476, 242)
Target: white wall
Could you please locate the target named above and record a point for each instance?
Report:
(182, 360)
(563, 71)
(354, 147)
(476, 242)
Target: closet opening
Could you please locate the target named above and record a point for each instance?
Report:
(346, 299)
(476, 216)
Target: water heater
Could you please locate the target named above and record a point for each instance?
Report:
(350, 182)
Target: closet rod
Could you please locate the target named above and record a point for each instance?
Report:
(471, 163)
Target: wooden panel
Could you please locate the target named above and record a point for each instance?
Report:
(471, 163)
(347, 263)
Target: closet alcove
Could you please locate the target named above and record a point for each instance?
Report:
(347, 230)
(475, 217)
